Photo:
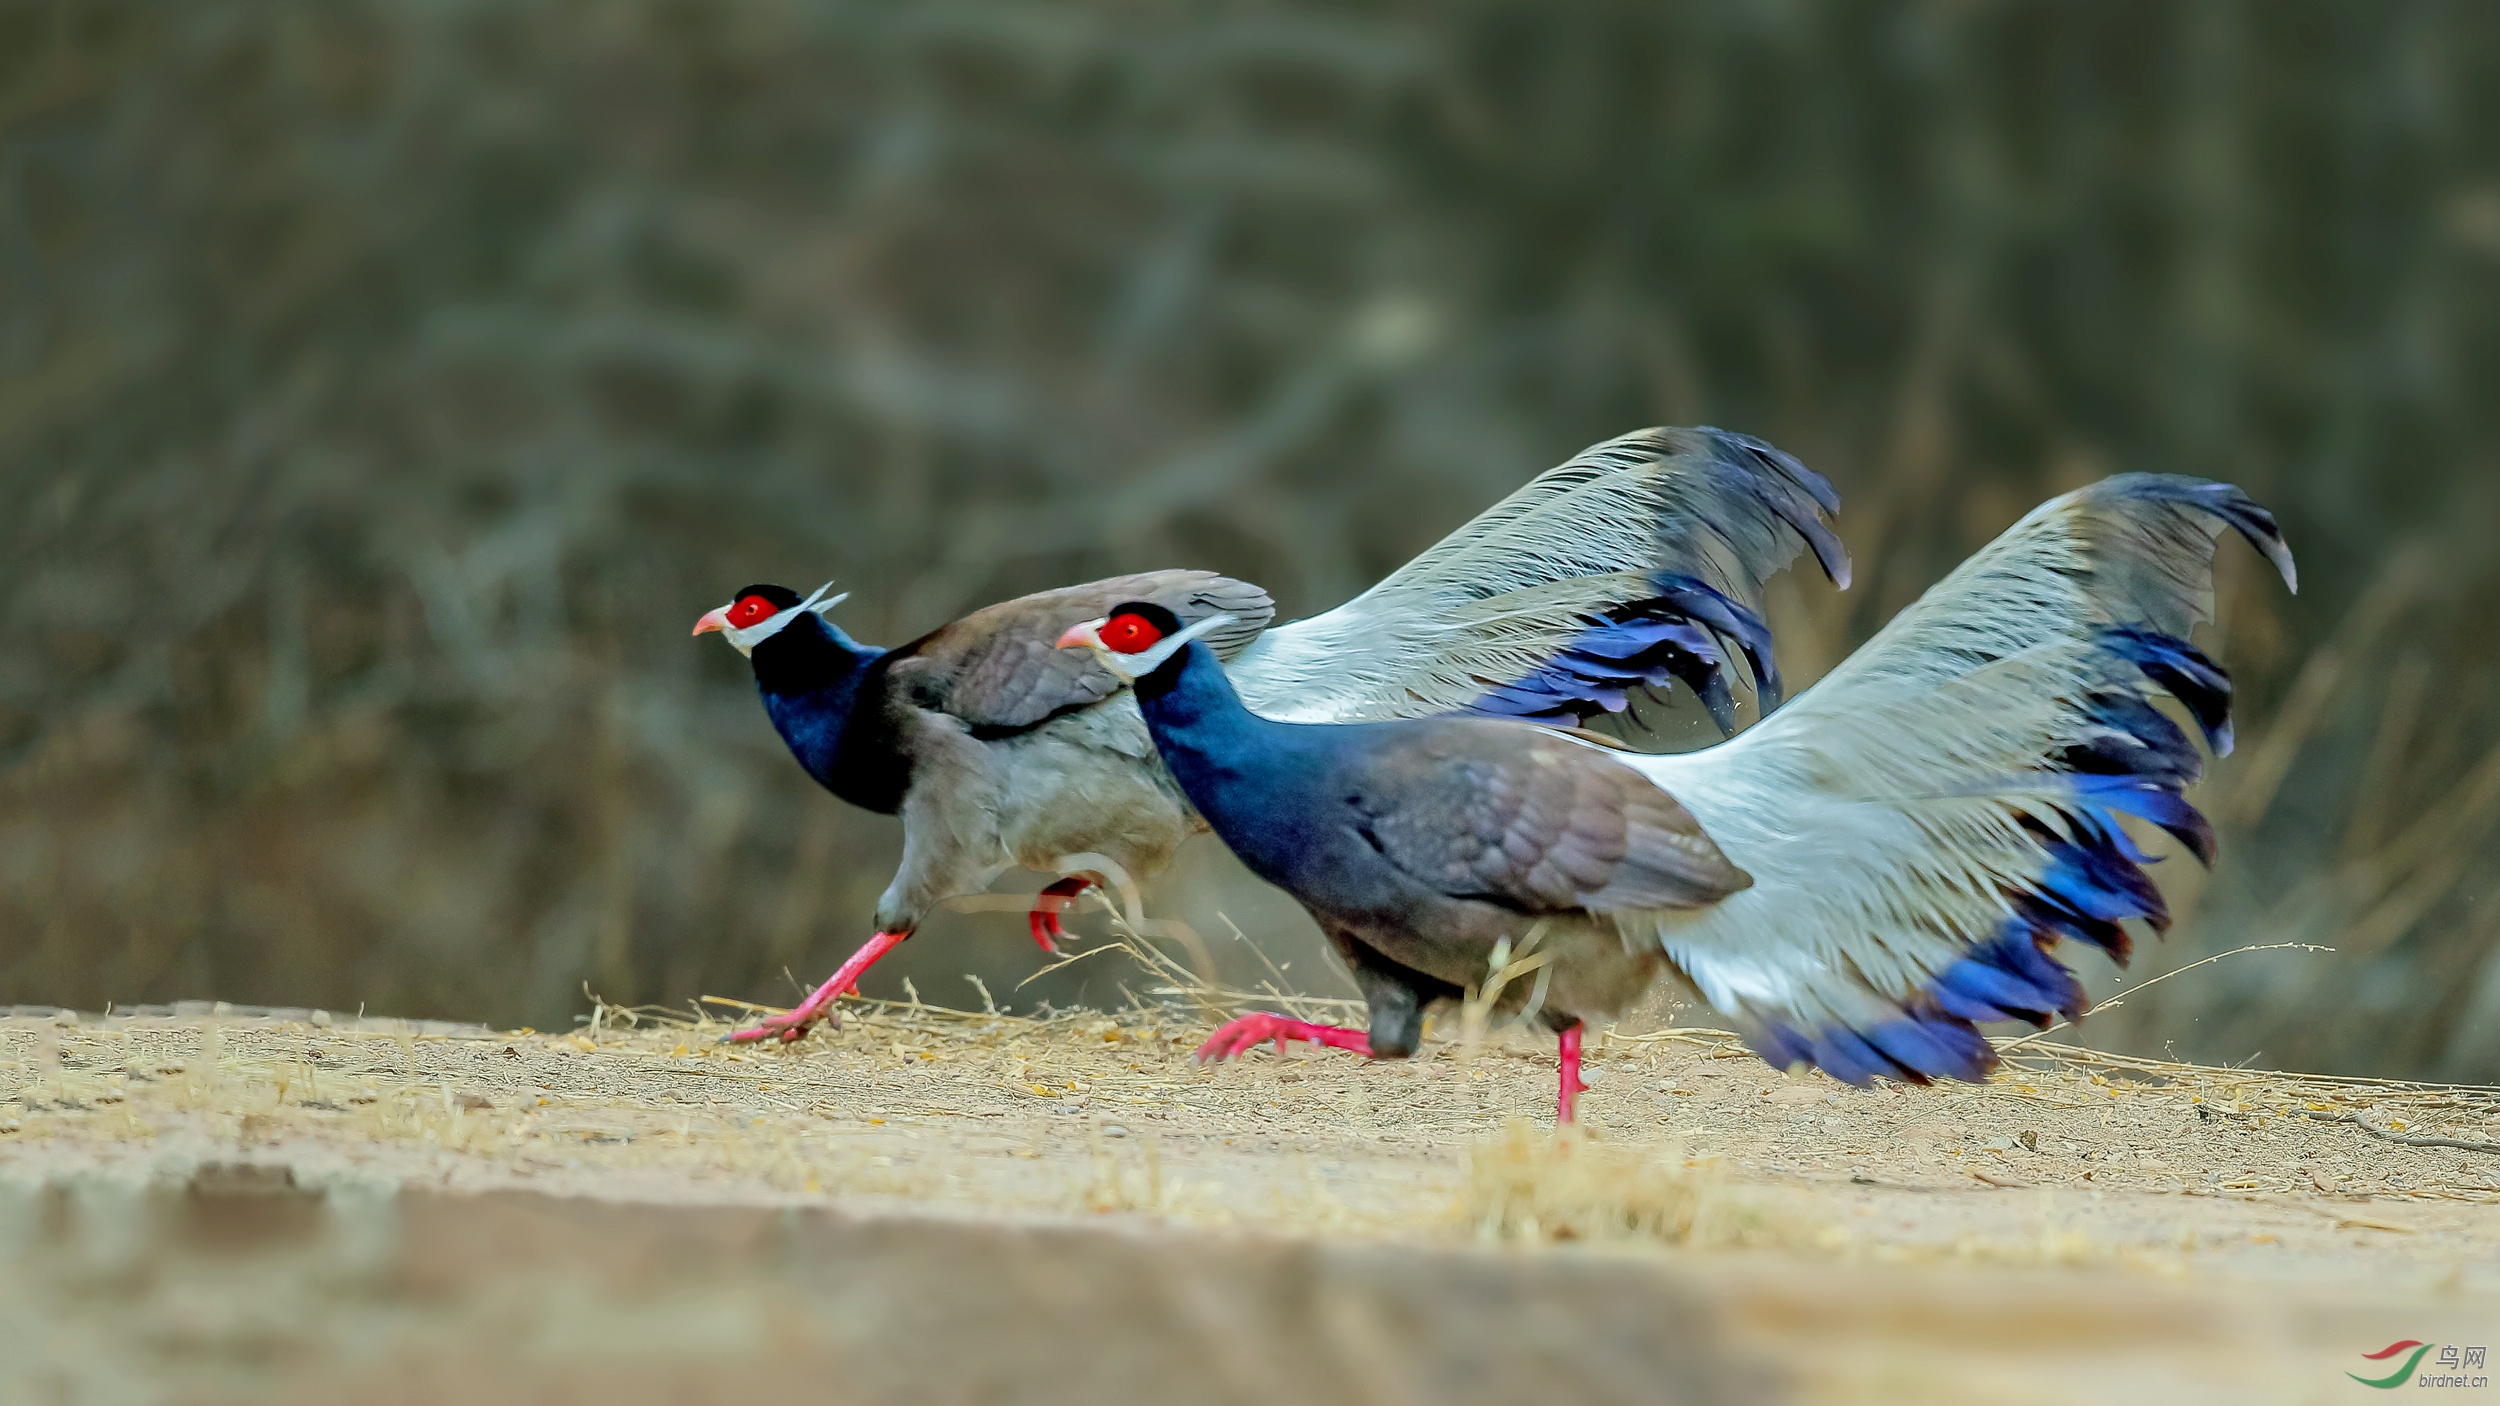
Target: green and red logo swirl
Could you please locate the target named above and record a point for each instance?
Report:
(2402, 1374)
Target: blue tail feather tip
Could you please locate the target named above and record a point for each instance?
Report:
(1769, 470)
(2244, 514)
(1910, 1048)
(1648, 644)
(2184, 671)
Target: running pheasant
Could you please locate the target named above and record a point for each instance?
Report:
(1857, 882)
(1638, 564)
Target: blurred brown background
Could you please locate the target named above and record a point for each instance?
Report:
(386, 386)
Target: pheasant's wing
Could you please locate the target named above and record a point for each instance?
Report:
(1925, 823)
(1639, 562)
(1507, 814)
(999, 669)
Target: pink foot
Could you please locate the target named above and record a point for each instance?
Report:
(1566, 1103)
(1054, 899)
(790, 1025)
(1239, 1036)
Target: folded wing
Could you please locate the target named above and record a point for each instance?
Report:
(1531, 822)
(1000, 670)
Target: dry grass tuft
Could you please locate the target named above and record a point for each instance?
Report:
(1530, 1184)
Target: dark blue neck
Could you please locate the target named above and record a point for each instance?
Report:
(1243, 772)
(815, 680)
(1192, 709)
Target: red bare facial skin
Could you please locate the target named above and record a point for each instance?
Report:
(1129, 634)
(738, 615)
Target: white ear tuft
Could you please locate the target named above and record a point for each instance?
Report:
(747, 639)
(1137, 666)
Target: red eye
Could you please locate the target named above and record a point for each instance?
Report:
(751, 611)
(1130, 634)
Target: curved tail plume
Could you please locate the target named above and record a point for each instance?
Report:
(1927, 822)
(1638, 564)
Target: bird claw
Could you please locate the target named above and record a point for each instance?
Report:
(1239, 1036)
(787, 1028)
(790, 1025)
(1054, 899)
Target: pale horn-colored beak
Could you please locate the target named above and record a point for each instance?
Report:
(1084, 636)
(713, 621)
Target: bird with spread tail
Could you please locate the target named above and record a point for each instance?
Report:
(1639, 564)
(1858, 882)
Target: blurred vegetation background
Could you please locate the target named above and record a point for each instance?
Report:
(385, 385)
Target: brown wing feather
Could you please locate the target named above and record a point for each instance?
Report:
(1000, 667)
(1507, 812)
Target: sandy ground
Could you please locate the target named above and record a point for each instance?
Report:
(2082, 1228)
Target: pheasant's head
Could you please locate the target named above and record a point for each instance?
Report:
(1138, 638)
(760, 612)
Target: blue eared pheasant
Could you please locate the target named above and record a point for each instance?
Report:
(1638, 564)
(1857, 882)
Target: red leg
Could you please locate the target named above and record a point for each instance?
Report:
(1054, 899)
(1241, 1035)
(792, 1024)
(1566, 1102)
